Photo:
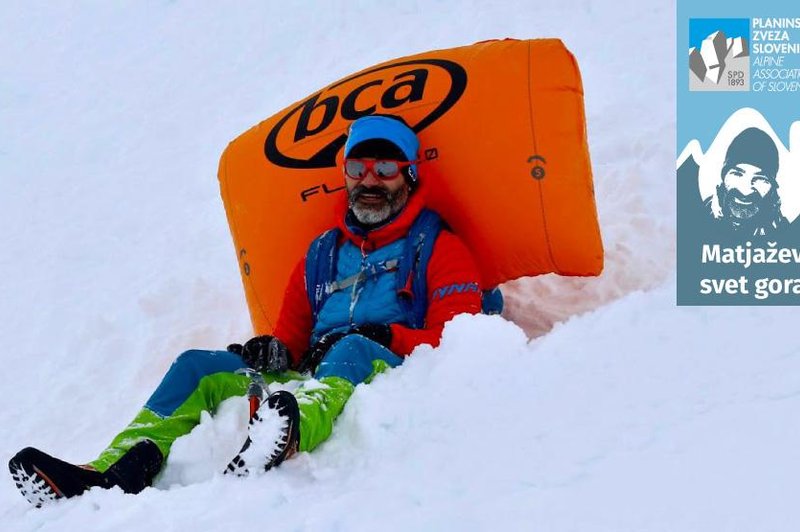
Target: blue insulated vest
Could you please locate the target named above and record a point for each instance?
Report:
(363, 290)
(388, 286)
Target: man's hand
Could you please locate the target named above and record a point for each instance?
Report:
(263, 353)
(379, 333)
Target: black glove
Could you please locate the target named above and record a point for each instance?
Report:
(235, 348)
(263, 353)
(379, 333)
(313, 356)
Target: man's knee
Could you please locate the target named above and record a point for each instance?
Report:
(351, 358)
(185, 375)
(201, 362)
(353, 343)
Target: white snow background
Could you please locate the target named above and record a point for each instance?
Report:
(616, 411)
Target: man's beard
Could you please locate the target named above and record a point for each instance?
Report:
(741, 207)
(393, 202)
(750, 208)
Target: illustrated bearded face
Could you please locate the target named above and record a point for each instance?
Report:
(746, 191)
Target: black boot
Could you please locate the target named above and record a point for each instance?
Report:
(42, 478)
(255, 454)
(137, 468)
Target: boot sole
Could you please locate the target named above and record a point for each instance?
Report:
(34, 485)
(284, 449)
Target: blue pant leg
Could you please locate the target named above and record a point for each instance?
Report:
(351, 358)
(185, 374)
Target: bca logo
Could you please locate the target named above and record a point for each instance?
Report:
(306, 137)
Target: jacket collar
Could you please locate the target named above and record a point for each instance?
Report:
(395, 229)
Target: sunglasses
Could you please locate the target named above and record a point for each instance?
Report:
(383, 169)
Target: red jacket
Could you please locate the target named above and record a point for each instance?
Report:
(450, 263)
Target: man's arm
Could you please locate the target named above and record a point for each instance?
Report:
(295, 321)
(453, 288)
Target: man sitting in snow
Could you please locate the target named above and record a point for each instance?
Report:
(367, 293)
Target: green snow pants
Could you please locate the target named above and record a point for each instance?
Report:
(200, 380)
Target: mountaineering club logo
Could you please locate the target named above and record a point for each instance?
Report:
(739, 183)
(719, 54)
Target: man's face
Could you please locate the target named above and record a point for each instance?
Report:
(374, 200)
(745, 189)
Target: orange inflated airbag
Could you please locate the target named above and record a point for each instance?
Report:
(503, 135)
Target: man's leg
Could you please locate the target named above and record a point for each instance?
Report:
(198, 380)
(352, 360)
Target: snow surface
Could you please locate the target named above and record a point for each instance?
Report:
(622, 412)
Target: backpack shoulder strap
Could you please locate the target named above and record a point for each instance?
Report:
(321, 268)
(414, 269)
(412, 273)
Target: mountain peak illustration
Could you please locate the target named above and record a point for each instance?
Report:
(715, 53)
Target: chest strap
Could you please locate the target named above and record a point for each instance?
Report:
(373, 270)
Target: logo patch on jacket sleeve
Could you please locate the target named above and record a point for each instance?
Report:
(456, 288)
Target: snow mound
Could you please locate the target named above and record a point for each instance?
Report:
(675, 423)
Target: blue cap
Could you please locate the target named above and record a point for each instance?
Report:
(387, 128)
